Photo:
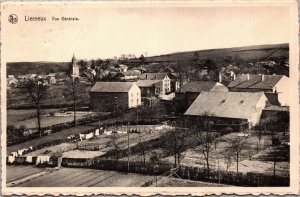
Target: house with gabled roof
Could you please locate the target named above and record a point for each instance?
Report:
(154, 84)
(187, 94)
(230, 107)
(276, 86)
(113, 96)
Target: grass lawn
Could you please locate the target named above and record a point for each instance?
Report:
(59, 135)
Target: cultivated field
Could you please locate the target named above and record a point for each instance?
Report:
(79, 177)
(75, 177)
(14, 173)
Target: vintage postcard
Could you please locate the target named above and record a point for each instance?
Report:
(150, 97)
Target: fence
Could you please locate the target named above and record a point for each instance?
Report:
(192, 173)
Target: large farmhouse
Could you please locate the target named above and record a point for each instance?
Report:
(230, 107)
(276, 87)
(154, 84)
(112, 96)
(187, 94)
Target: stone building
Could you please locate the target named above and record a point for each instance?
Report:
(114, 96)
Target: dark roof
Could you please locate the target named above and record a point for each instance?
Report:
(147, 83)
(255, 81)
(198, 86)
(239, 105)
(153, 76)
(112, 87)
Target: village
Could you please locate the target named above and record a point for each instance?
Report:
(135, 122)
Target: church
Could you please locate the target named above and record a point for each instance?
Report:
(74, 68)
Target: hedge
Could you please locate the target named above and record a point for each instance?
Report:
(185, 172)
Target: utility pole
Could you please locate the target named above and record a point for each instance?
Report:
(128, 146)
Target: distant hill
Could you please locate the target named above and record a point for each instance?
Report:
(20, 68)
(245, 54)
(248, 53)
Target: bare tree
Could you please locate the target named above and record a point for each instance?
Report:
(236, 146)
(75, 92)
(228, 158)
(175, 141)
(37, 89)
(205, 138)
(206, 143)
(142, 148)
(113, 142)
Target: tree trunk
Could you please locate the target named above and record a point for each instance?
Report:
(175, 159)
(207, 166)
(39, 119)
(237, 163)
(274, 168)
(74, 113)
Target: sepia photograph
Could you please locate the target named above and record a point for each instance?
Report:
(149, 96)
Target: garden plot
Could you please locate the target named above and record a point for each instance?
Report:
(194, 157)
(61, 148)
(82, 154)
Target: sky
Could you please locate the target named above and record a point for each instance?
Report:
(108, 31)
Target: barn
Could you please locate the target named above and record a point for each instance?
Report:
(229, 107)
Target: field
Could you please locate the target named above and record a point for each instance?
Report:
(63, 134)
(13, 116)
(46, 121)
(78, 177)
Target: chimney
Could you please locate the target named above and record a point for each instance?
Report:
(220, 77)
(248, 77)
(262, 77)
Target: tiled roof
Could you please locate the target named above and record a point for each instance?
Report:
(198, 86)
(112, 87)
(255, 81)
(226, 104)
(153, 76)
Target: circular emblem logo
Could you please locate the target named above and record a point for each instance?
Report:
(13, 18)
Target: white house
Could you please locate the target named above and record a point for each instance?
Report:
(161, 79)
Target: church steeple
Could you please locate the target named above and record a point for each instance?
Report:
(74, 68)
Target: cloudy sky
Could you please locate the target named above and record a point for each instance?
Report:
(108, 31)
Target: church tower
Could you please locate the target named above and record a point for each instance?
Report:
(74, 68)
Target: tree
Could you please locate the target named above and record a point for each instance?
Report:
(277, 154)
(115, 146)
(206, 142)
(175, 141)
(38, 90)
(205, 138)
(142, 148)
(236, 146)
(75, 92)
